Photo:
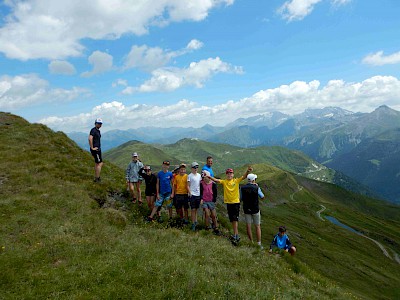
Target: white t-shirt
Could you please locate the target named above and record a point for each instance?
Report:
(194, 184)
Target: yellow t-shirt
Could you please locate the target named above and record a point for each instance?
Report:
(180, 182)
(231, 190)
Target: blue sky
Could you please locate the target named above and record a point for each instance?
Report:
(187, 63)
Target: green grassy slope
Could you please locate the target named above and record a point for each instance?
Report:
(57, 242)
(122, 155)
(354, 261)
(188, 150)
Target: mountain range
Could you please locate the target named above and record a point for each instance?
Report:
(331, 136)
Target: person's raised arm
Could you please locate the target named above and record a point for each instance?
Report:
(214, 179)
(249, 169)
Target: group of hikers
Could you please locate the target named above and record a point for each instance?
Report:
(194, 190)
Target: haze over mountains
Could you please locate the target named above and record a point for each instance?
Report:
(332, 136)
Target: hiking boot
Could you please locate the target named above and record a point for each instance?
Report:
(97, 179)
(216, 231)
(185, 222)
(193, 227)
(160, 220)
(149, 220)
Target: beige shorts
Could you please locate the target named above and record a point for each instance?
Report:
(255, 218)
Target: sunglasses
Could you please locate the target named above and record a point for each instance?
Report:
(195, 167)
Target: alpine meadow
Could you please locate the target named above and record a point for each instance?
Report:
(63, 236)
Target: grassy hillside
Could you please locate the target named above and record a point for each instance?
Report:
(62, 236)
(148, 154)
(354, 261)
(188, 150)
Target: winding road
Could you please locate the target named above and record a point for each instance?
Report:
(384, 251)
(320, 211)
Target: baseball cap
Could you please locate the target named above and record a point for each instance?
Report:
(251, 177)
(165, 162)
(205, 173)
(182, 165)
(194, 164)
(230, 170)
(135, 154)
(99, 121)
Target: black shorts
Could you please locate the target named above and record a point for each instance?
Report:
(194, 202)
(150, 193)
(97, 156)
(181, 201)
(233, 211)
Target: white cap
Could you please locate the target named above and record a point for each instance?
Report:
(205, 173)
(251, 177)
(99, 121)
(134, 154)
(195, 164)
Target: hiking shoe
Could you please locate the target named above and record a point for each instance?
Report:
(185, 222)
(193, 227)
(149, 220)
(261, 247)
(97, 179)
(216, 231)
(160, 220)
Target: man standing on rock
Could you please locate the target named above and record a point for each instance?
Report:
(95, 148)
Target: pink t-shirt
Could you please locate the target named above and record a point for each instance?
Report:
(207, 192)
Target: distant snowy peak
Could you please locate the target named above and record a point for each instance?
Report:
(326, 112)
(269, 119)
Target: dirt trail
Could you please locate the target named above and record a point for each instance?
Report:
(320, 211)
(299, 188)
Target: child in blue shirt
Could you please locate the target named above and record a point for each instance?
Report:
(281, 241)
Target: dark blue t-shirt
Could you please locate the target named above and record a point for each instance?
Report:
(165, 181)
(96, 137)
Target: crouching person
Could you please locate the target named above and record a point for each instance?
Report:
(281, 241)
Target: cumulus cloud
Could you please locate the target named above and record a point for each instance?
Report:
(150, 58)
(61, 67)
(29, 89)
(194, 45)
(292, 98)
(102, 62)
(379, 59)
(53, 29)
(296, 10)
(170, 79)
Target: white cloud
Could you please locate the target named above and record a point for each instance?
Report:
(151, 58)
(340, 2)
(27, 90)
(61, 67)
(101, 62)
(53, 29)
(120, 81)
(379, 59)
(170, 79)
(293, 98)
(295, 10)
(194, 45)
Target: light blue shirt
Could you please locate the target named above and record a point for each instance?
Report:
(209, 169)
